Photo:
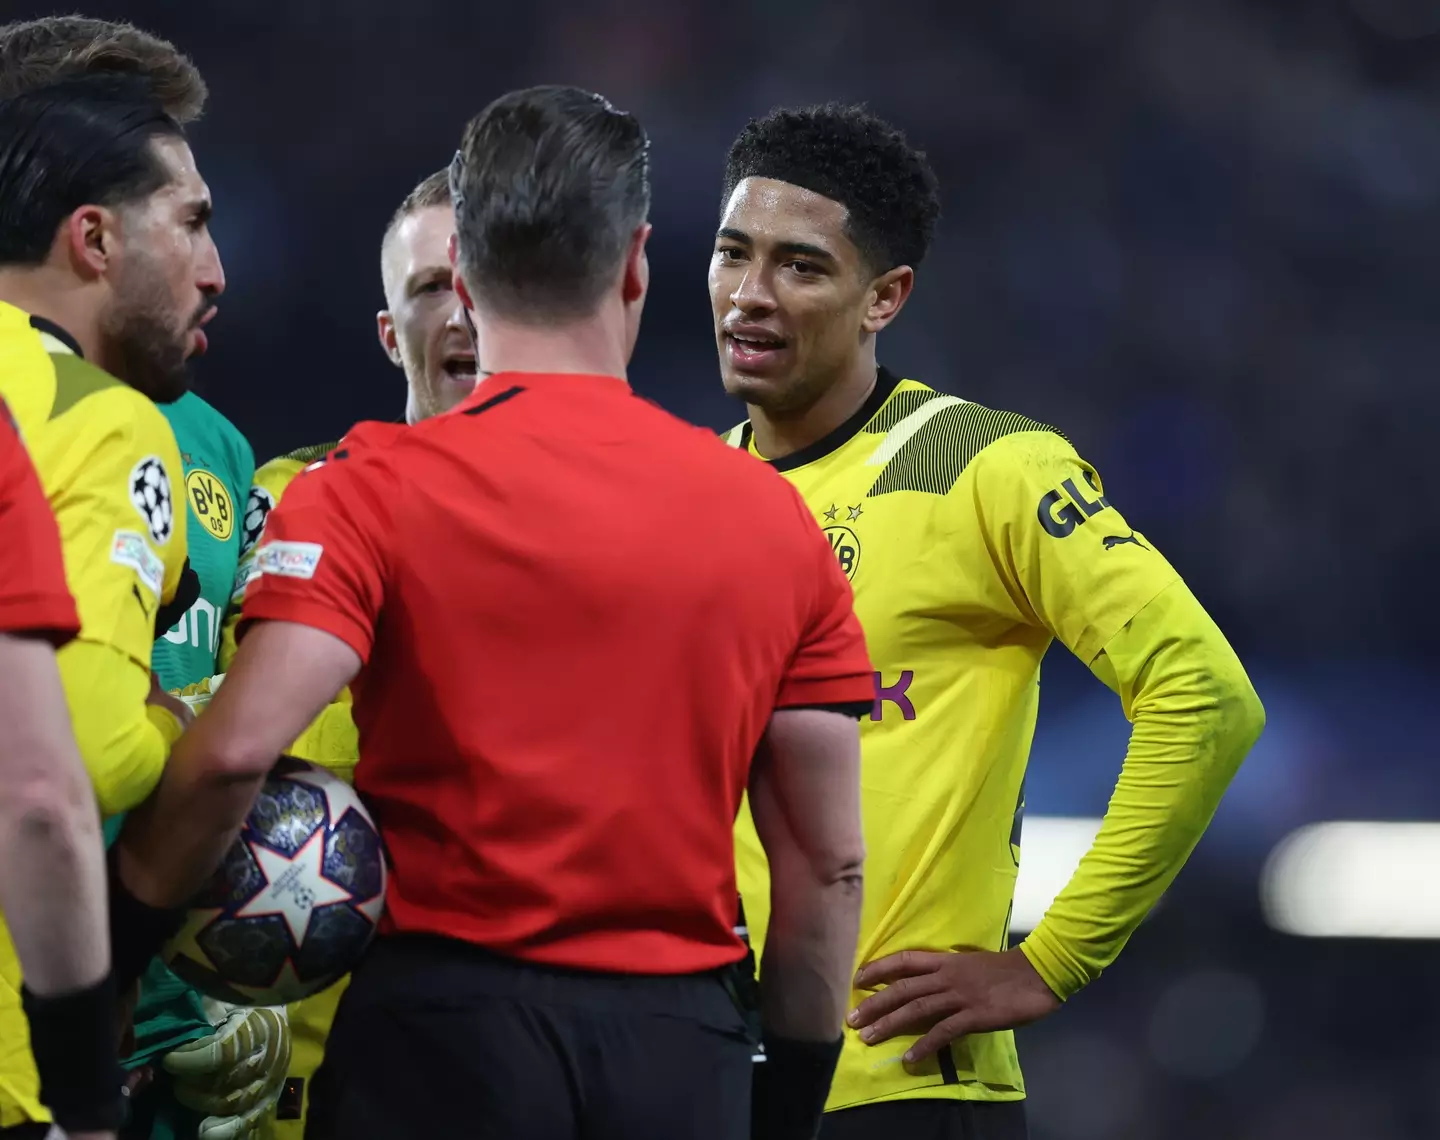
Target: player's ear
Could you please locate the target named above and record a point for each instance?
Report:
(888, 294)
(91, 237)
(636, 280)
(385, 326)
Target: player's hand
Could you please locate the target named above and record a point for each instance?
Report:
(198, 695)
(234, 1076)
(948, 995)
(177, 707)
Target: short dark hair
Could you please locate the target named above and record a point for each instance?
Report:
(34, 53)
(75, 143)
(433, 191)
(851, 156)
(549, 184)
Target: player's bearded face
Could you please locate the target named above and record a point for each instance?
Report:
(150, 339)
(788, 291)
(164, 280)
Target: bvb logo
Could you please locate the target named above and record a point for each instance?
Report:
(210, 503)
(846, 547)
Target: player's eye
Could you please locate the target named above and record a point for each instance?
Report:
(730, 254)
(805, 268)
(437, 286)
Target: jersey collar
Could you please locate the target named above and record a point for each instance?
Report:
(885, 384)
(63, 341)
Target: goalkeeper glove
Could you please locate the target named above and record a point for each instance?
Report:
(234, 1076)
(198, 695)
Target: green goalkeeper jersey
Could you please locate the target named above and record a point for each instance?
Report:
(219, 466)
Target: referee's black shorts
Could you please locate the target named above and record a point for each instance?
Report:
(439, 1038)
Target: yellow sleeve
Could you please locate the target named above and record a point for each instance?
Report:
(1195, 717)
(123, 740)
(331, 740)
(1066, 559)
(121, 525)
(124, 544)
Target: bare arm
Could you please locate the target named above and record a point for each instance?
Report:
(283, 674)
(52, 865)
(805, 799)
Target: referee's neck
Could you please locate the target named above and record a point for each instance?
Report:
(777, 436)
(596, 345)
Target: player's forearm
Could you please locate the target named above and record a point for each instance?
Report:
(123, 741)
(809, 956)
(1195, 717)
(173, 842)
(805, 800)
(52, 870)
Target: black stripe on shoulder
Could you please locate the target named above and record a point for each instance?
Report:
(935, 456)
(855, 709)
(899, 406)
(40, 324)
(311, 453)
(493, 401)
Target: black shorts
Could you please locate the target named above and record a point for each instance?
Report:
(928, 1120)
(438, 1038)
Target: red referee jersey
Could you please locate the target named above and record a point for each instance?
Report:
(34, 598)
(576, 615)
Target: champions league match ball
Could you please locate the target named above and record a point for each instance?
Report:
(296, 901)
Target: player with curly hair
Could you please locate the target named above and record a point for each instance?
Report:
(972, 538)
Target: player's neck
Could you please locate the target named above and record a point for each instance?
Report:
(593, 346)
(779, 436)
(60, 300)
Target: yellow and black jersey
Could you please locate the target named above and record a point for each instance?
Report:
(331, 739)
(972, 539)
(110, 469)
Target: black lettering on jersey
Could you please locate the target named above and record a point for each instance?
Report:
(1062, 510)
(937, 454)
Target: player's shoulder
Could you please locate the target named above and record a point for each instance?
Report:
(926, 439)
(193, 413)
(93, 406)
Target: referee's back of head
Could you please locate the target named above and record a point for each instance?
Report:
(551, 186)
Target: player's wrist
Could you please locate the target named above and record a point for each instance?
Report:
(790, 1087)
(138, 931)
(72, 1037)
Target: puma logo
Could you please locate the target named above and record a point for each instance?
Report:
(1114, 540)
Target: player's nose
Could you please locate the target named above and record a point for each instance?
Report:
(752, 292)
(210, 273)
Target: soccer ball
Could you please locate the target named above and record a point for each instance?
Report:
(296, 901)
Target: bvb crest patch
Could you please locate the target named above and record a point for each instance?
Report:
(150, 492)
(210, 503)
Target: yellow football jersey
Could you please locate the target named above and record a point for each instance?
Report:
(109, 465)
(972, 538)
(331, 741)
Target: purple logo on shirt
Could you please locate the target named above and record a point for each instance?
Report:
(895, 694)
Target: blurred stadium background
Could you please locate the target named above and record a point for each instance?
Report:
(1200, 236)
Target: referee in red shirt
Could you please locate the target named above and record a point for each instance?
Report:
(52, 864)
(565, 656)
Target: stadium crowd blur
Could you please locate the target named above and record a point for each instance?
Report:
(1202, 237)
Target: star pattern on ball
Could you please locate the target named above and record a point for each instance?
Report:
(295, 885)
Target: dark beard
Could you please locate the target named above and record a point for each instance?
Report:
(149, 353)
